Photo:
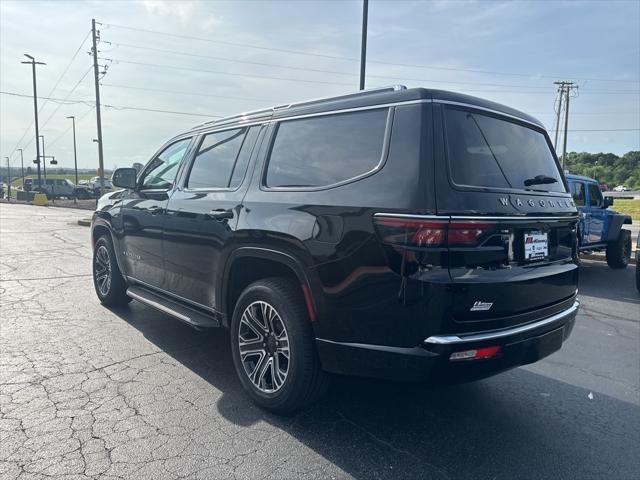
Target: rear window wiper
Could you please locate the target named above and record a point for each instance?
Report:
(539, 180)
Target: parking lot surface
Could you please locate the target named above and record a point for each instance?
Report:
(91, 392)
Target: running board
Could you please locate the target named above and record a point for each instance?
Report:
(181, 312)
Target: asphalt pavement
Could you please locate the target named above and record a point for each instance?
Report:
(87, 392)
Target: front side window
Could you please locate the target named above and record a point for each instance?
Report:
(577, 192)
(322, 151)
(488, 152)
(216, 158)
(161, 171)
(595, 196)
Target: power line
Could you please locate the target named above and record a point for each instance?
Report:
(68, 95)
(176, 92)
(234, 74)
(82, 117)
(267, 77)
(353, 59)
(66, 69)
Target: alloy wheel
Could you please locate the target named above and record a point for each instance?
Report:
(264, 347)
(102, 270)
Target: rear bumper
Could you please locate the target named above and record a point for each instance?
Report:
(519, 345)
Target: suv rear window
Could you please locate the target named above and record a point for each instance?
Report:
(323, 151)
(488, 152)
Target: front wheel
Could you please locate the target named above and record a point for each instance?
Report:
(273, 347)
(107, 279)
(619, 252)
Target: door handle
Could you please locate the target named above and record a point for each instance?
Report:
(155, 210)
(220, 214)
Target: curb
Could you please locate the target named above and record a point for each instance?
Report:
(85, 222)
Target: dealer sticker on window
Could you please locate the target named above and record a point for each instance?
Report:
(536, 245)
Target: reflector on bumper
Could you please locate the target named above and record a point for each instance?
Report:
(475, 354)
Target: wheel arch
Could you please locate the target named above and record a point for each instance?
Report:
(100, 228)
(248, 264)
(615, 225)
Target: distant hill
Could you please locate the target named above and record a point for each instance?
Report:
(607, 167)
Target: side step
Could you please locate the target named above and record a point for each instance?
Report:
(183, 313)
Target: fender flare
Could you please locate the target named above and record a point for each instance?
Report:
(267, 254)
(615, 225)
(102, 223)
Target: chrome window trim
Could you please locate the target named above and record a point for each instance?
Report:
(481, 337)
(381, 162)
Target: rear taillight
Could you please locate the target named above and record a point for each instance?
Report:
(428, 232)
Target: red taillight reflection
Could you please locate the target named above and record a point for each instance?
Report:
(430, 233)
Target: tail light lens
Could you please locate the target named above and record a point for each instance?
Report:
(414, 232)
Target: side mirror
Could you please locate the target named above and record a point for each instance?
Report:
(608, 201)
(124, 177)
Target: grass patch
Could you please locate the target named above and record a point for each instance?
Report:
(628, 207)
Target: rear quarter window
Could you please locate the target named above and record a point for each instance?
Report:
(489, 152)
(326, 150)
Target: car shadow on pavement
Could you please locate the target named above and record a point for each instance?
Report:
(597, 279)
(518, 424)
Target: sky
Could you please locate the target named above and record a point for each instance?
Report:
(173, 65)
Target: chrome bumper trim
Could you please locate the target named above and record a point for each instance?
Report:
(481, 337)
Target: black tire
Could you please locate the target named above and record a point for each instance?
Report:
(304, 380)
(619, 252)
(113, 292)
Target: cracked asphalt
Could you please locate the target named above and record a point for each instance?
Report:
(87, 392)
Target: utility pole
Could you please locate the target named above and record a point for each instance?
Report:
(33, 63)
(363, 48)
(94, 35)
(22, 166)
(8, 179)
(75, 155)
(561, 92)
(565, 88)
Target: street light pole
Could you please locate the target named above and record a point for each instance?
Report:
(33, 63)
(44, 164)
(75, 155)
(363, 46)
(22, 166)
(8, 179)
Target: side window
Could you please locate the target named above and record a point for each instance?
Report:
(595, 196)
(321, 151)
(242, 162)
(577, 192)
(218, 157)
(162, 170)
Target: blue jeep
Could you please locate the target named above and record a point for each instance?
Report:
(600, 228)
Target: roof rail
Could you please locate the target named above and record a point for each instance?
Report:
(361, 93)
(270, 110)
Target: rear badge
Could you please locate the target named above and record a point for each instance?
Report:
(481, 306)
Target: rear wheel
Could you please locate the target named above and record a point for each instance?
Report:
(107, 279)
(619, 252)
(274, 347)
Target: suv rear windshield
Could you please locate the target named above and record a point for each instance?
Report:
(488, 152)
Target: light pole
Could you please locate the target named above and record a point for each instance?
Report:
(8, 180)
(22, 167)
(44, 164)
(53, 181)
(33, 63)
(75, 155)
(363, 45)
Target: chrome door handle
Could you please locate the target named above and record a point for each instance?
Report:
(221, 214)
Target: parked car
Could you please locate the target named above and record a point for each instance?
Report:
(52, 187)
(95, 184)
(600, 228)
(621, 188)
(414, 235)
(83, 192)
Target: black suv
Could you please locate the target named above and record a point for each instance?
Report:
(400, 234)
